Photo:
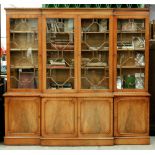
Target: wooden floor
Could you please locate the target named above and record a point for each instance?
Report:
(115, 147)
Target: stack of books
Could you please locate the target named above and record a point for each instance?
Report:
(57, 63)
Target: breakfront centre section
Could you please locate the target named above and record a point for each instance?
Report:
(77, 77)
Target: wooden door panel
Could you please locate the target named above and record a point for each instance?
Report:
(59, 117)
(131, 116)
(23, 115)
(96, 117)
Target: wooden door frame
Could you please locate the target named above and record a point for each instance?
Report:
(110, 60)
(44, 17)
(146, 18)
(38, 17)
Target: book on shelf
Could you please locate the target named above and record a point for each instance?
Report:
(62, 46)
(139, 80)
(27, 80)
(57, 62)
(129, 81)
(24, 66)
(96, 64)
(98, 87)
(68, 25)
(60, 66)
(60, 85)
(65, 88)
(61, 88)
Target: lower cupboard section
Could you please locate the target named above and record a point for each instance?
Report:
(59, 117)
(22, 116)
(72, 117)
(95, 117)
(131, 120)
(76, 121)
(22, 120)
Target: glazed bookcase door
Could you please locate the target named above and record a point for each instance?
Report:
(60, 53)
(131, 44)
(95, 64)
(23, 53)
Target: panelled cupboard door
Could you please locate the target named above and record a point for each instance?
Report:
(131, 116)
(96, 117)
(59, 117)
(22, 116)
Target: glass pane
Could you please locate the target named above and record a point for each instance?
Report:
(95, 53)
(24, 53)
(60, 53)
(130, 54)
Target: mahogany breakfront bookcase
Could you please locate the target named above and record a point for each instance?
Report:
(77, 76)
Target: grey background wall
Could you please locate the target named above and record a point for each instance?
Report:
(152, 12)
(152, 77)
